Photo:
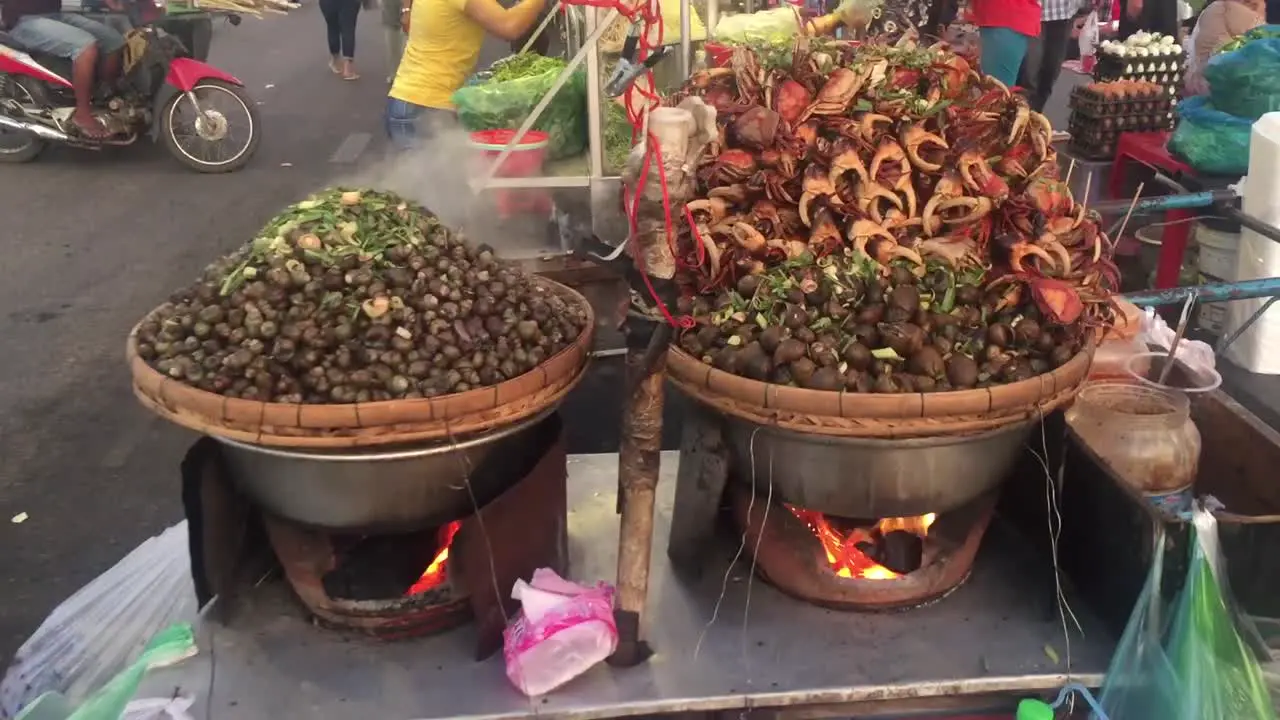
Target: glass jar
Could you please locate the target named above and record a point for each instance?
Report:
(1144, 434)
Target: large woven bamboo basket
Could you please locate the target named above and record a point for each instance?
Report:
(374, 423)
(874, 415)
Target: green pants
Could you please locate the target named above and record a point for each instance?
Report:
(1002, 53)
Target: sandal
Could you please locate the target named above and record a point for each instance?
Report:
(334, 66)
(95, 130)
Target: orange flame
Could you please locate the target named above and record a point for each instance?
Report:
(842, 551)
(438, 570)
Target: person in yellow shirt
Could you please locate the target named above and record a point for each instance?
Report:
(444, 43)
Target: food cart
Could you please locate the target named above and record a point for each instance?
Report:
(807, 552)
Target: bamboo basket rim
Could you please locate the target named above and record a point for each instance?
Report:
(330, 424)
(830, 407)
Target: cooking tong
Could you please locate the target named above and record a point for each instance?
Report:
(627, 69)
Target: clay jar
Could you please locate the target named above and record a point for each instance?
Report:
(1144, 434)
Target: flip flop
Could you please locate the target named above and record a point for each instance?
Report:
(351, 76)
(97, 132)
(333, 66)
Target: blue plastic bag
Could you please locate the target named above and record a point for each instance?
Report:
(1211, 140)
(1246, 82)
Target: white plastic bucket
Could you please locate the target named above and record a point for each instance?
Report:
(1218, 251)
(1210, 317)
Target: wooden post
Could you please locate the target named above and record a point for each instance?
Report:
(639, 455)
(681, 135)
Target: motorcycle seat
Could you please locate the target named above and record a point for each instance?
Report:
(9, 41)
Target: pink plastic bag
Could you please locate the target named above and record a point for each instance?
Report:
(563, 629)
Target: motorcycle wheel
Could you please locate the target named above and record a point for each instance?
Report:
(18, 147)
(188, 139)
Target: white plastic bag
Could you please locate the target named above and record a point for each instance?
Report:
(1196, 355)
(563, 629)
(1088, 39)
(101, 629)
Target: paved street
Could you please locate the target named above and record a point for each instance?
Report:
(90, 243)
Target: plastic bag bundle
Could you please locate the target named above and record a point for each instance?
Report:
(486, 105)
(1210, 140)
(102, 628)
(1246, 82)
(114, 700)
(563, 629)
(1186, 660)
(770, 27)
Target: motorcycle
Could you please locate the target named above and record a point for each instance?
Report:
(189, 106)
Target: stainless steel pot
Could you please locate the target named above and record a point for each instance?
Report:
(387, 490)
(872, 478)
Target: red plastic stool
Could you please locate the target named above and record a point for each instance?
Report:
(1149, 149)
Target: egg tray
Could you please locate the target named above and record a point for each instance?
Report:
(1094, 139)
(1128, 66)
(1145, 122)
(1170, 81)
(1087, 103)
(1096, 150)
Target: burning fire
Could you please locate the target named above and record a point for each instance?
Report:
(842, 549)
(438, 570)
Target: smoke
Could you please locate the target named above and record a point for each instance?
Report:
(438, 174)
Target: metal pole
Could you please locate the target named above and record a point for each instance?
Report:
(1212, 293)
(713, 17)
(686, 39)
(595, 135)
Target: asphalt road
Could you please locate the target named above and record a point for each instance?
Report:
(88, 243)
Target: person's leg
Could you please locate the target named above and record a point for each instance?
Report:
(47, 35)
(401, 123)
(1055, 36)
(331, 10)
(1029, 74)
(349, 14)
(395, 50)
(110, 44)
(1002, 53)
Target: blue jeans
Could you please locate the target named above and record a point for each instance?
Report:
(409, 125)
(65, 35)
(1002, 53)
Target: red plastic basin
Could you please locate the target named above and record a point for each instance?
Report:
(526, 157)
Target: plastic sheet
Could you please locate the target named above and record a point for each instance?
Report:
(1258, 348)
(1186, 660)
(1210, 140)
(97, 632)
(485, 105)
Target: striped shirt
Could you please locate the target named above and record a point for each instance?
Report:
(1058, 9)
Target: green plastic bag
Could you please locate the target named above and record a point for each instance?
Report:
(1186, 660)
(487, 105)
(1210, 140)
(169, 646)
(1220, 675)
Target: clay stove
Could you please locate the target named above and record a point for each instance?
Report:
(860, 564)
(793, 506)
(410, 584)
